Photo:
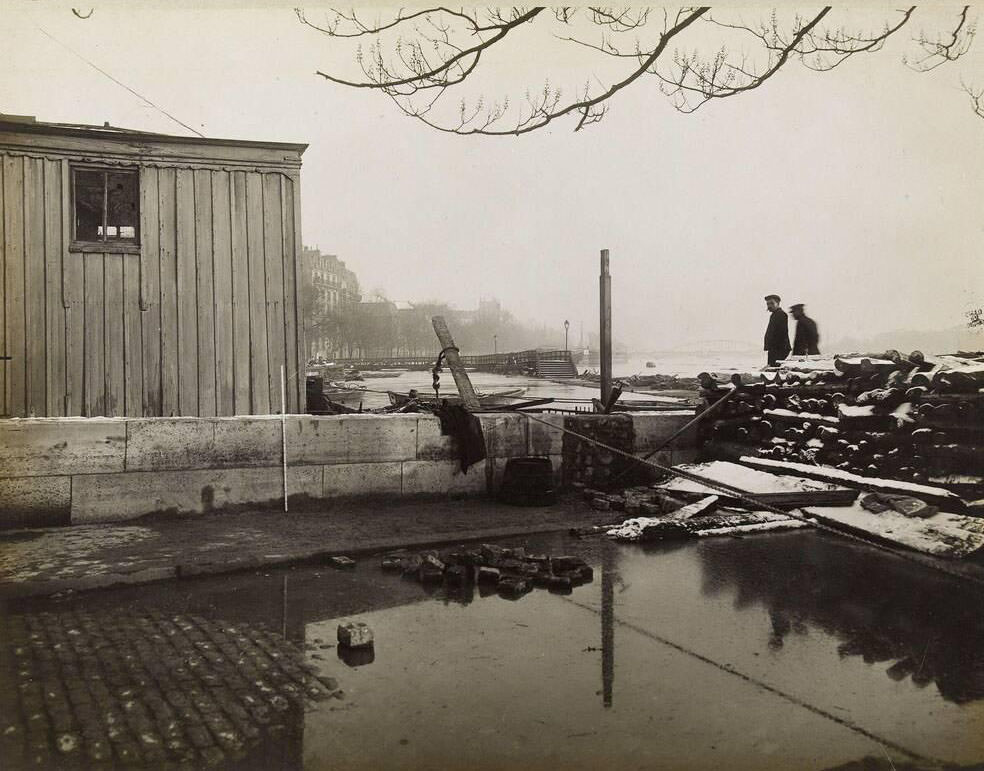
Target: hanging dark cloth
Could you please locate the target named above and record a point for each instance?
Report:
(466, 431)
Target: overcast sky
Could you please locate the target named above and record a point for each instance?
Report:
(858, 192)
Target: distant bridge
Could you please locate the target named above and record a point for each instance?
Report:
(556, 363)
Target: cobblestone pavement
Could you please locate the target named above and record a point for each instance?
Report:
(122, 688)
(45, 561)
(30, 555)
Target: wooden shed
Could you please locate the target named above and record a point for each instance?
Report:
(147, 275)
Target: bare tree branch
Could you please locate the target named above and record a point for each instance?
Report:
(414, 58)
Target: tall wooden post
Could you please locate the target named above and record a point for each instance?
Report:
(605, 282)
(465, 390)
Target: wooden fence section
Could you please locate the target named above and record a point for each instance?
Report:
(198, 323)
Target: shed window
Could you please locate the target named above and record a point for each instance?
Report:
(107, 214)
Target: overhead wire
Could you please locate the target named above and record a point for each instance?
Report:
(120, 83)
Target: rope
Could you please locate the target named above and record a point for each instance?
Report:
(749, 498)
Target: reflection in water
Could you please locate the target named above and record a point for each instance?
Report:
(881, 608)
(607, 625)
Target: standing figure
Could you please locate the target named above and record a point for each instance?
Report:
(777, 333)
(807, 336)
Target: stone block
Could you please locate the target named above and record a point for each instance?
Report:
(61, 446)
(546, 440)
(35, 501)
(118, 497)
(351, 438)
(354, 634)
(160, 444)
(487, 575)
(431, 443)
(424, 477)
(652, 429)
(363, 479)
(514, 586)
(505, 435)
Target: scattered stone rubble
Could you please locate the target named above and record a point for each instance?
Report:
(512, 572)
(98, 689)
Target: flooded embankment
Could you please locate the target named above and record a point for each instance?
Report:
(794, 650)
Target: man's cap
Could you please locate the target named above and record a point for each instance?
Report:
(775, 297)
(795, 306)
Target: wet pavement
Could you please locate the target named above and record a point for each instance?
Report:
(795, 650)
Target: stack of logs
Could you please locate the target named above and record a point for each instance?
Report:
(912, 417)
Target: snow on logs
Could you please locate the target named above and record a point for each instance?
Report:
(911, 417)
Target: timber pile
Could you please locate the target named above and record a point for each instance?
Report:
(915, 417)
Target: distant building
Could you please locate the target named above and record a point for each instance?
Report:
(147, 275)
(331, 297)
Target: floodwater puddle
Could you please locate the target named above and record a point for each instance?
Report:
(793, 650)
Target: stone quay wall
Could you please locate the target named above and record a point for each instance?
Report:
(60, 471)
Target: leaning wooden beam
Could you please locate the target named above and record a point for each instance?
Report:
(468, 396)
(837, 476)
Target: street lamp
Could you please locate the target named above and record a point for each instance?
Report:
(495, 343)
(567, 326)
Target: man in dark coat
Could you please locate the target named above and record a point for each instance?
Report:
(777, 333)
(807, 336)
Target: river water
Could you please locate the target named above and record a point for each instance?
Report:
(372, 391)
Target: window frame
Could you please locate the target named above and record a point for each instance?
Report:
(109, 247)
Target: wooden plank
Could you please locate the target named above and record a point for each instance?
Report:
(150, 293)
(34, 288)
(187, 283)
(54, 248)
(240, 296)
(290, 298)
(169, 291)
(95, 350)
(468, 396)
(835, 476)
(136, 147)
(273, 251)
(206, 298)
(946, 535)
(222, 270)
(4, 364)
(15, 322)
(132, 339)
(73, 301)
(113, 335)
(258, 363)
(296, 272)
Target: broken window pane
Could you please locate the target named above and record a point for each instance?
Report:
(121, 205)
(88, 205)
(106, 205)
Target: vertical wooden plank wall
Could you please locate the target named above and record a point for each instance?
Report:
(150, 292)
(240, 297)
(206, 297)
(199, 323)
(222, 272)
(3, 289)
(258, 362)
(73, 290)
(55, 350)
(13, 278)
